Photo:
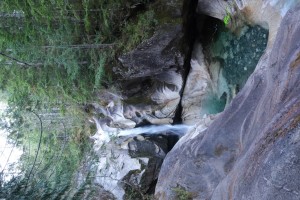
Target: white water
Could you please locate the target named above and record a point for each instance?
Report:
(178, 129)
(104, 136)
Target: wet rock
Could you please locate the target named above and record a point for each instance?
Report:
(251, 151)
(266, 13)
(239, 55)
(269, 14)
(109, 112)
(131, 163)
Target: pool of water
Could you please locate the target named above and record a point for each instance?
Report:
(239, 54)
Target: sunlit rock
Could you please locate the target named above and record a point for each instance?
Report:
(197, 85)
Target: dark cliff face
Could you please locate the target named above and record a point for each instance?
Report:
(252, 150)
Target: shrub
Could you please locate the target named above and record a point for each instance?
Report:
(182, 194)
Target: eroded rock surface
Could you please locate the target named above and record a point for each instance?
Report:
(131, 163)
(201, 83)
(251, 151)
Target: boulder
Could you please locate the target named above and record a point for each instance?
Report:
(152, 78)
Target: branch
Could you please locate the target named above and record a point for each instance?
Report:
(18, 61)
(39, 145)
(81, 46)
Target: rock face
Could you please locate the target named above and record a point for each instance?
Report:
(159, 52)
(251, 151)
(267, 13)
(152, 78)
(199, 85)
(214, 8)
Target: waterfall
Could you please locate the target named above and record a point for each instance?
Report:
(104, 134)
(179, 129)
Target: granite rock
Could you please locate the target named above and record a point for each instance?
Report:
(251, 151)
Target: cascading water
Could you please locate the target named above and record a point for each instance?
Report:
(230, 59)
(132, 155)
(179, 129)
(104, 134)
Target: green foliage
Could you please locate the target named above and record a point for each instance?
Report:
(182, 194)
(54, 56)
(62, 149)
(227, 17)
(135, 32)
(50, 42)
(63, 51)
(99, 71)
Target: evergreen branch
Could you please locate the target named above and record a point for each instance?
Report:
(14, 59)
(81, 46)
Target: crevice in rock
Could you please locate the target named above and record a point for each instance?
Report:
(226, 59)
(189, 20)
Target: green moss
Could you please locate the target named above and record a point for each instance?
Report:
(138, 29)
(168, 13)
(239, 55)
(226, 19)
(182, 194)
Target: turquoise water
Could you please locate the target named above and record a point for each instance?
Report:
(213, 105)
(239, 54)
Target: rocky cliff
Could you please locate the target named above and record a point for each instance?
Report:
(251, 150)
(189, 74)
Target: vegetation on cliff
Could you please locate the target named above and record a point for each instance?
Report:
(55, 56)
